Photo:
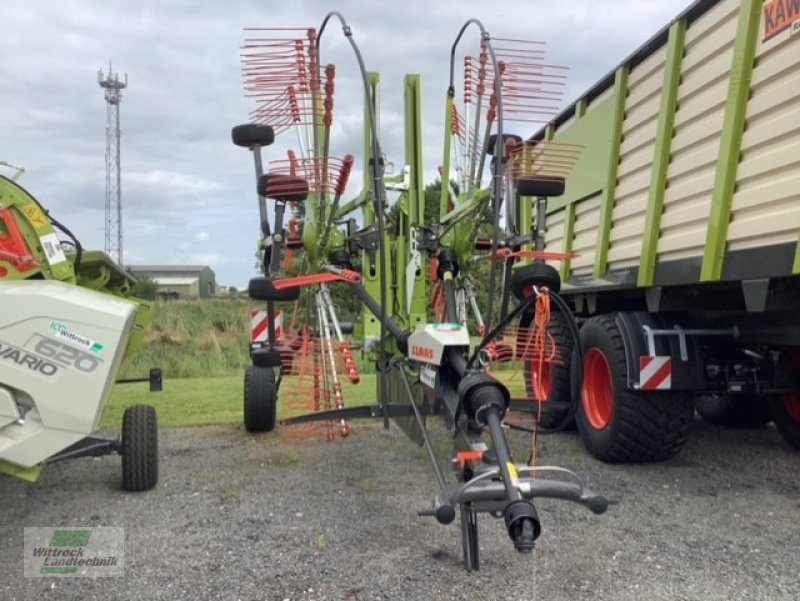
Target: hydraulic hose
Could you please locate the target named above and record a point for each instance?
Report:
(378, 190)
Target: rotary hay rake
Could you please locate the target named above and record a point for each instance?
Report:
(382, 258)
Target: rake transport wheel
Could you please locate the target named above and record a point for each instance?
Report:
(139, 448)
(735, 410)
(786, 407)
(554, 379)
(260, 399)
(618, 425)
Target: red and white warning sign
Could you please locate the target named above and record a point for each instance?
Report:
(655, 373)
(258, 326)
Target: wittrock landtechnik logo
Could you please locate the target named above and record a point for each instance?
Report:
(74, 552)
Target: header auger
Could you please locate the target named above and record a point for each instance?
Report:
(383, 257)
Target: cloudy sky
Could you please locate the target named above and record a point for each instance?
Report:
(188, 193)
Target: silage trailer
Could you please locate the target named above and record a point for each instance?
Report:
(684, 209)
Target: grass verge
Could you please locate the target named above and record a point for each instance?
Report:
(205, 401)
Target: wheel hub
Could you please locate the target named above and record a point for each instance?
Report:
(597, 391)
(791, 403)
(541, 380)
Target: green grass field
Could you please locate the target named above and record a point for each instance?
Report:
(206, 401)
(202, 348)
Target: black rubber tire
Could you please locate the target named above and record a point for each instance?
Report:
(641, 426)
(252, 134)
(735, 410)
(560, 373)
(785, 408)
(139, 448)
(786, 423)
(539, 274)
(260, 399)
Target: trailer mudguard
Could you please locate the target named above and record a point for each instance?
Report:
(686, 373)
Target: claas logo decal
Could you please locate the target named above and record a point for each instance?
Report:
(780, 15)
(422, 352)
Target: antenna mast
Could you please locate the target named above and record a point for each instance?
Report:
(113, 94)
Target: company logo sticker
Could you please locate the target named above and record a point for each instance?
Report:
(422, 352)
(74, 552)
(63, 332)
(780, 15)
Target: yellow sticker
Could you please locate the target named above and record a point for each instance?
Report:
(512, 471)
(36, 217)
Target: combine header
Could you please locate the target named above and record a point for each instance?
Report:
(68, 320)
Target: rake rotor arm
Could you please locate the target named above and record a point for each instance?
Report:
(361, 412)
(352, 278)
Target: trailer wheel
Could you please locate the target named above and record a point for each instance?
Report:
(139, 448)
(735, 410)
(618, 425)
(786, 408)
(553, 379)
(786, 415)
(260, 399)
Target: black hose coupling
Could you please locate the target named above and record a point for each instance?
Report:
(447, 262)
(478, 392)
(523, 525)
(340, 258)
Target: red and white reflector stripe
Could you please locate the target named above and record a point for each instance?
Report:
(655, 373)
(258, 326)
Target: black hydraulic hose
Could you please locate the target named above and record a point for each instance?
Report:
(378, 189)
(59, 225)
(576, 360)
(450, 298)
(71, 236)
(497, 169)
(500, 326)
(506, 298)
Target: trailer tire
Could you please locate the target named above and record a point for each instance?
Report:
(260, 399)
(139, 448)
(786, 415)
(786, 407)
(735, 410)
(618, 425)
(557, 380)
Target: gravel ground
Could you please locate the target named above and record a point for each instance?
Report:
(243, 517)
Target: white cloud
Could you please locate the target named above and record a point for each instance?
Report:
(182, 177)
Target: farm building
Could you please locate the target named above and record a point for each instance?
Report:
(181, 281)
